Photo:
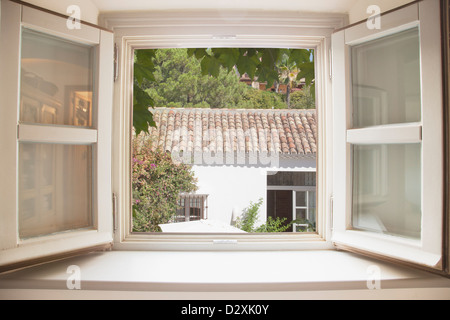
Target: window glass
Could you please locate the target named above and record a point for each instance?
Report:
(55, 188)
(56, 83)
(300, 199)
(312, 207)
(290, 178)
(387, 189)
(300, 214)
(386, 80)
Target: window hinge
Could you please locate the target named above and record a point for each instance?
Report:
(114, 211)
(331, 210)
(330, 63)
(116, 62)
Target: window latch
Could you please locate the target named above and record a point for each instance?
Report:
(331, 210)
(114, 211)
(330, 63)
(116, 62)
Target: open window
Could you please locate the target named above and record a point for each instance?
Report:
(380, 156)
(388, 136)
(56, 135)
(227, 33)
(292, 195)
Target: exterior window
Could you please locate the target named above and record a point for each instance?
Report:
(192, 207)
(292, 196)
(305, 211)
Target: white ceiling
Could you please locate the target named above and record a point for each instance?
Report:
(335, 6)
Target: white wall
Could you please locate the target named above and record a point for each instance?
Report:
(231, 188)
(234, 187)
(89, 12)
(358, 11)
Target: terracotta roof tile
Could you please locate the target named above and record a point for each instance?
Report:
(289, 132)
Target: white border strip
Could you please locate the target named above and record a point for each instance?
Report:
(51, 134)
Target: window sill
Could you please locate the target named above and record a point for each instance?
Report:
(320, 274)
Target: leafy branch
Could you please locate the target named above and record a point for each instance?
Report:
(263, 64)
(143, 70)
(249, 217)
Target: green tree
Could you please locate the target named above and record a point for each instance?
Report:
(258, 99)
(261, 63)
(143, 71)
(302, 99)
(264, 63)
(179, 82)
(288, 71)
(156, 184)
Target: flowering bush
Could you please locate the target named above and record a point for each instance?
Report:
(156, 183)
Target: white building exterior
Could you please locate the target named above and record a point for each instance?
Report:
(233, 151)
(230, 189)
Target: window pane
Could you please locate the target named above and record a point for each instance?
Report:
(55, 188)
(289, 178)
(386, 80)
(56, 81)
(311, 199)
(312, 207)
(300, 214)
(300, 198)
(387, 188)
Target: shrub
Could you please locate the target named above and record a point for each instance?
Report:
(275, 225)
(250, 215)
(302, 99)
(156, 184)
(258, 99)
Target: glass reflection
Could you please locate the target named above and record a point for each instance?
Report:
(56, 81)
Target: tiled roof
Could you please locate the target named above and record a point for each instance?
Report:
(286, 132)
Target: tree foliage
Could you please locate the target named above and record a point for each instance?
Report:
(143, 70)
(249, 218)
(262, 63)
(156, 184)
(179, 82)
(302, 99)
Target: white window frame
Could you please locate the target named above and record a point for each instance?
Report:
(307, 191)
(16, 251)
(429, 249)
(218, 29)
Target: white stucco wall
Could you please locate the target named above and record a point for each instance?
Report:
(234, 187)
(230, 188)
